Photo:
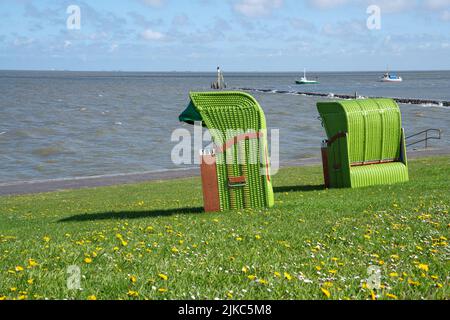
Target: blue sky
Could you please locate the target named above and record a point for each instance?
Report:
(239, 35)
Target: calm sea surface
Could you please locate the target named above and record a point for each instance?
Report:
(66, 124)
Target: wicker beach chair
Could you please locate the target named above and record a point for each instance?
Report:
(366, 143)
(236, 174)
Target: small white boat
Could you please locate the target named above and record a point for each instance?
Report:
(305, 80)
(391, 77)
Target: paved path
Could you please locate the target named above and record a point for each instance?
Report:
(33, 187)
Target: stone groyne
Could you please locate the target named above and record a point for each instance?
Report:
(348, 96)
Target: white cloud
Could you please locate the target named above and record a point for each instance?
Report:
(153, 3)
(151, 35)
(387, 6)
(113, 47)
(437, 4)
(393, 6)
(327, 4)
(257, 8)
(23, 41)
(445, 15)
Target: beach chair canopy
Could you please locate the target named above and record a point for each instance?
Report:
(243, 167)
(191, 115)
(365, 142)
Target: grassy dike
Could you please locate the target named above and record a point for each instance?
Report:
(152, 241)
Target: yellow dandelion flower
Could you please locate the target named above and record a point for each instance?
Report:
(163, 276)
(92, 298)
(413, 283)
(392, 296)
(251, 277)
(46, 239)
(88, 260)
(326, 292)
(2, 298)
(287, 276)
(124, 243)
(30, 281)
(434, 277)
(318, 268)
(393, 275)
(263, 282)
(230, 295)
(258, 237)
(332, 271)
(381, 262)
(277, 274)
(373, 296)
(245, 269)
(239, 239)
(19, 268)
(13, 289)
(32, 263)
(174, 250)
(133, 279)
(133, 294)
(162, 290)
(328, 284)
(22, 297)
(424, 267)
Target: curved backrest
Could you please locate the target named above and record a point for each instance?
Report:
(374, 127)
(237, 117)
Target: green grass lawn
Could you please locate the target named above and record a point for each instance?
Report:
(152, 241)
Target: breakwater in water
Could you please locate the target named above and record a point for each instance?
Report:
(348, 96)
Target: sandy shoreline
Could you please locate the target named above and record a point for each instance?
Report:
(42, 186)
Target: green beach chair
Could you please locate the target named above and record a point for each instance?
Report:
(237, 174)
(366, 143)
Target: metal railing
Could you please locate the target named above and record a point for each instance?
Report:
(425, 133)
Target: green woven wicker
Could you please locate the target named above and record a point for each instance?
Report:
(366, 142)
(221, 112)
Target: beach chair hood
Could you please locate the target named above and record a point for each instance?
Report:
(366, 142)
(243, 155)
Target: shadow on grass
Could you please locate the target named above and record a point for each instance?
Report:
(130, 215)
(298, 189)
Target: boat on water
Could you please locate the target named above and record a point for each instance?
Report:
(391, 77)
(305, 80)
